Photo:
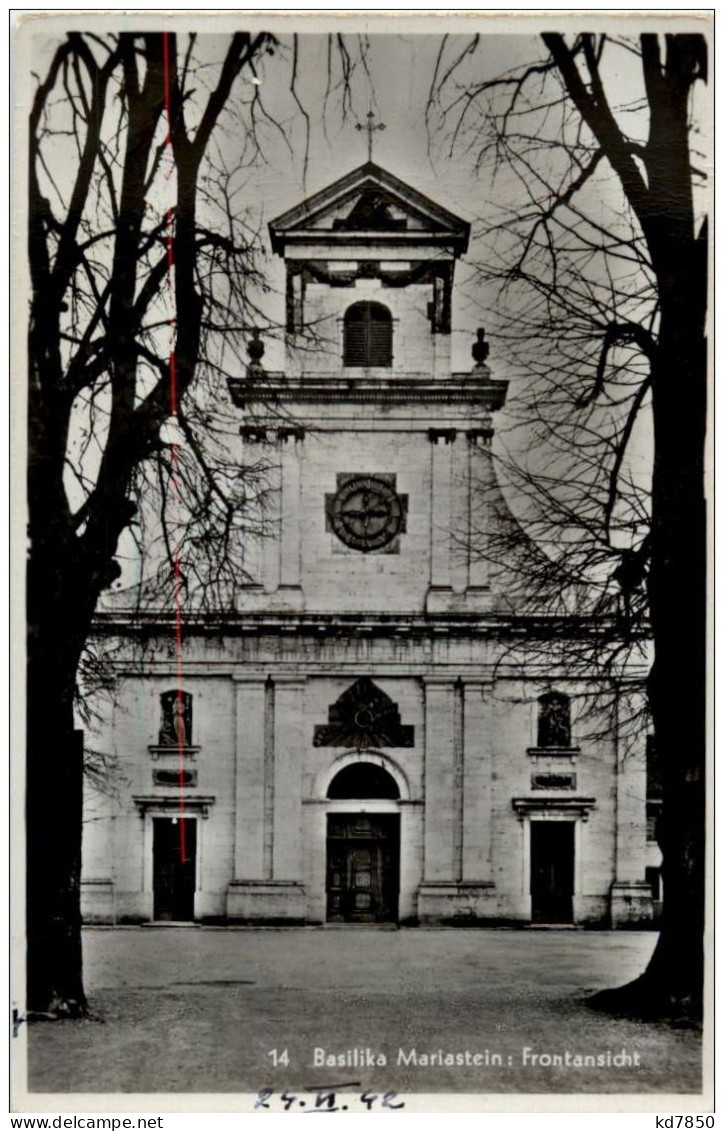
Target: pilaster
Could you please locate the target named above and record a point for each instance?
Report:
(441, 447)
(268, 849)
(288, 750)
(477, 782)
(459, 516)
(271, 546)
(276, 563)
(630, 894)
(249, 778)
(440, 803)
(290, 441)
(480, 474)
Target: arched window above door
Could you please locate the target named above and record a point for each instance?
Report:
(363, 780)
(368, 335)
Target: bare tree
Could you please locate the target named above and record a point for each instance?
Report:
(603, 313)
(141, 263)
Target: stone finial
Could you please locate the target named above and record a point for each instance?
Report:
(480, 350)
(255, 348)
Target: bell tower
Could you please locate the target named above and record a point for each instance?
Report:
(363, 599)
(382, 452)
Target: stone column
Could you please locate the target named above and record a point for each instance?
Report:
(477, 782)
(289, 742)
(441, 810)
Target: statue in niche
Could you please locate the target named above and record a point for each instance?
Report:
(480, 349)
(175, 719)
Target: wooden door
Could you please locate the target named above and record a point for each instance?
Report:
(362, 868)
(174, 879)
(551, 871)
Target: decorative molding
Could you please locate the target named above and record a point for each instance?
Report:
(181, 779)
(569, 753)
(430, 887)
(253, 434)
(484, 434)
(364, 716)
(553, 781)
(296, 433)
(306, 220)
(277, 388)
(530, 806)
(196, 805)
(435, 435)
(173, 751)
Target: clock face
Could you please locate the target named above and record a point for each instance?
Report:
(366, 513)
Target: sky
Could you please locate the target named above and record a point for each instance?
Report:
(307, 139)
(396, 87)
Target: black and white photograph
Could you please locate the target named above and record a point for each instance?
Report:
(363, 469)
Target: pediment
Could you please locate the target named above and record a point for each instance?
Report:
(369, 201)
(364, 716)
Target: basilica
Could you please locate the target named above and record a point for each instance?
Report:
(360, 739)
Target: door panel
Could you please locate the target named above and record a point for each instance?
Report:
(174, 879)
(362, 868)
(551, 871)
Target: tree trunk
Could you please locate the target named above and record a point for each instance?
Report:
(672, 984)
(60, 599)
(54, 804)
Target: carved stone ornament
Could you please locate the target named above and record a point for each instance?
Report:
(364, 716)
(180, 778)
(366, 513)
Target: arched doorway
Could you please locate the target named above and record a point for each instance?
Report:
(363, 846)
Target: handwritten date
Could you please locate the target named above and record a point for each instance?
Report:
(318, 1101)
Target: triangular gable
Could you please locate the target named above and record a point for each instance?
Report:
(369, 199)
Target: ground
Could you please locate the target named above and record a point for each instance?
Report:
(199, 1009)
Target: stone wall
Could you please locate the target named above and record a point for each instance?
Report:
(467, 793)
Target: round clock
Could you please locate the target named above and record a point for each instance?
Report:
(366, 513)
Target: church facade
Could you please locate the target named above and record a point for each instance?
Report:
(361, 739)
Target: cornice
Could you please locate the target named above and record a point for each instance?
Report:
(456, 389)
(235, 623)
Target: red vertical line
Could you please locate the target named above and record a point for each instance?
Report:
(175, 479)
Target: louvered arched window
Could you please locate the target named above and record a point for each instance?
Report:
(368, 335)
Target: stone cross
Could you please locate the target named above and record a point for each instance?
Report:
(370, 130)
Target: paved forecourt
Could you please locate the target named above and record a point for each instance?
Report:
(239, 1010)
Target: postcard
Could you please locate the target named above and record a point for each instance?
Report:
(366, 479)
